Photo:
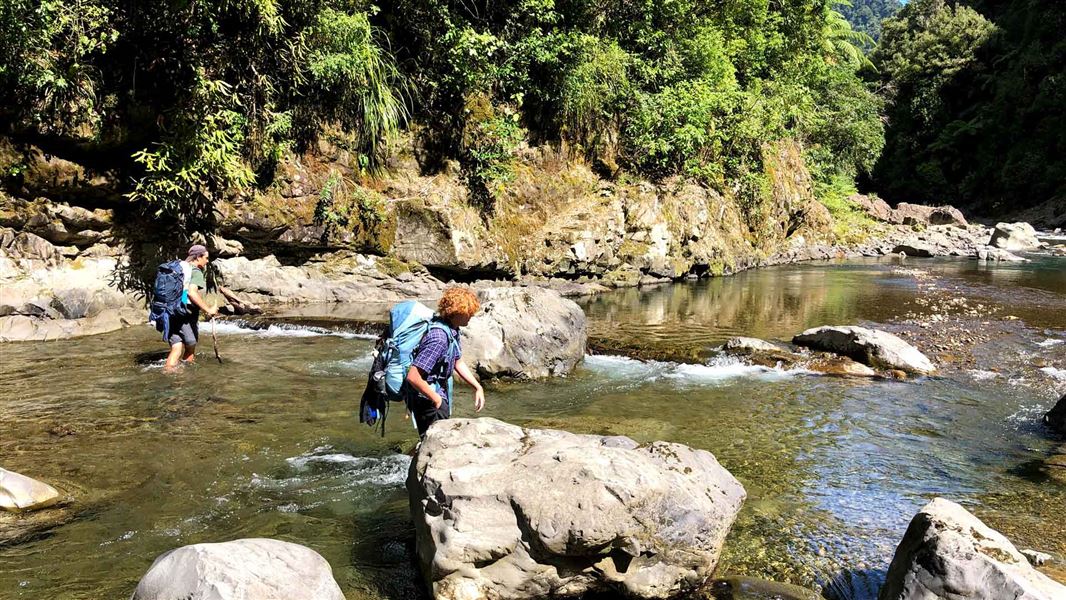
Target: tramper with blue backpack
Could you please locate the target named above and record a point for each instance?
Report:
(409, 321)
(169, 296)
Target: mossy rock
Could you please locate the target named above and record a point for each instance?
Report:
(750, 588)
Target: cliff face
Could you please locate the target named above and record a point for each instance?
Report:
(553, 218)
(320, 225)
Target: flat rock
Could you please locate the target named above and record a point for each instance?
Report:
(949, 554)
(1015, 237)
(525, 333)
(247, 569)
(878, 349)
(505, 512)
(21, 493)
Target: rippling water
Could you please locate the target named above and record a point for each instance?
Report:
(268, 444)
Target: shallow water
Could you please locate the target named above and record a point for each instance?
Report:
(268, 444)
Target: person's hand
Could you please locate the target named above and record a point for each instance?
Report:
(479, 399)
(437, 401)
(212, 313)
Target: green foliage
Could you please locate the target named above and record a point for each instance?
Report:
(197, 159)
(851, 224)
(47, 54)
(866, 15)
(200, 94)
(490, 138)
(975, 103)
(353, 81)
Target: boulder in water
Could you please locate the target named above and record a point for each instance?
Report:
(747, 345)
(506, 512)
(916, 249)
(878, 349)
(18, 492)
(1014, 237)
(947, 553)
(257, 568)
(1056, 417)
(525, 332)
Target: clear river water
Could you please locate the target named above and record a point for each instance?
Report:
(268, 443)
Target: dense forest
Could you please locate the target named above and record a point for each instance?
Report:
(866, 16)
(195, 99)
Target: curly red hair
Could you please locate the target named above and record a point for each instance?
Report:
(458, 300)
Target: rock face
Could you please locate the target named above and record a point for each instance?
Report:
(18, 492)
(875, 348)
(525, 332)
(504, 512)
(256, 568)
(1014, 237)
(1056, 417)
(949, 554)
(335, 278)
(44, 296)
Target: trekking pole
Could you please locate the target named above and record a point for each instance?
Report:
(214, 341)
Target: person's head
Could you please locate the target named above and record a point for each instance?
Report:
(457, 305)
(197, 256)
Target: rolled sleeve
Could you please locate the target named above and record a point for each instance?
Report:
(431, 350)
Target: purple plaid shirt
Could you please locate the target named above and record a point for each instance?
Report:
(431, 359)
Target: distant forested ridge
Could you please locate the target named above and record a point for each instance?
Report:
(976, 95)
(866, 15)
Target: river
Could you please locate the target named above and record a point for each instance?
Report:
(268, 443)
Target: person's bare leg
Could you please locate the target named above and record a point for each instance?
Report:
(190, 354)
(176, 350)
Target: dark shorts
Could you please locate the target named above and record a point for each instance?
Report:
(184, 331)
(426, 414)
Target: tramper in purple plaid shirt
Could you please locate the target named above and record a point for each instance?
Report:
(435, 359)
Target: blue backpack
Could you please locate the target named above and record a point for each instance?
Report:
(169, 288)
(408, 323)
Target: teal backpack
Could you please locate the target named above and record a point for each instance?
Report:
(408, 323)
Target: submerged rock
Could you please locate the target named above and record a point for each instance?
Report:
(525, 332)
(841, 366)
(257, 568)
(1014, 237)
(947, 553)
(18, 492)
(1056, 417)
(750, 588)
(872, 347)
(1055, 465)
(505, 512)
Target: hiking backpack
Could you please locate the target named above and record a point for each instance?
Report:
(167, 293)
(409, 321)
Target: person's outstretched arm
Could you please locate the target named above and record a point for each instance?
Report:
(197, 299)
(468, 376)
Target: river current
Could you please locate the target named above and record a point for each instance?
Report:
(268, 443)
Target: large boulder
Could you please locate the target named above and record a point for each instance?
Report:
(1015, 237)
(875, 348)
(340, 277)
(525, 332)
(947, 553)
(505, 512)
(18, 492)
(1056, 417)
(256, 568)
